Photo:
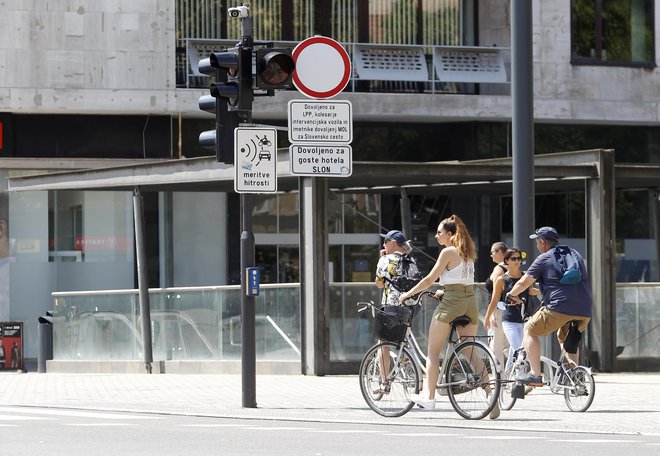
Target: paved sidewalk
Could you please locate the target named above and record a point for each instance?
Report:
(624, 403)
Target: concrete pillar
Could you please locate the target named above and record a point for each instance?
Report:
(314, 312)
(602, 262)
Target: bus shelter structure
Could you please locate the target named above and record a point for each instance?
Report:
(593, 172)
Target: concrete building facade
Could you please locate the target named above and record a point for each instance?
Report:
(92, 80)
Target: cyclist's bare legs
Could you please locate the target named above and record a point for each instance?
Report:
(384, 360)
(532, 346)
(572, 358)
(438, 334)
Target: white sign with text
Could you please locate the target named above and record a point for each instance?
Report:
(317, 160)
(320, 122)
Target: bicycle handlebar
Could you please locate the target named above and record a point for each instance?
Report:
(508, 300)
(412, 302)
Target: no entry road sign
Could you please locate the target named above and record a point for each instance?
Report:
(323, 67)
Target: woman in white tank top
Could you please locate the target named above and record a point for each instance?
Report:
(455, 269)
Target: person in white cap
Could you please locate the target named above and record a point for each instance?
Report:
(394, 247)
(562, 303)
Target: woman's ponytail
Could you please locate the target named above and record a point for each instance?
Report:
(460, 238)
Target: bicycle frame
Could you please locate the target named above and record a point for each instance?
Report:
(559, 379)
(420, 359)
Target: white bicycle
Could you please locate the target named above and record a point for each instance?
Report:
(393, 369)
(575, 383)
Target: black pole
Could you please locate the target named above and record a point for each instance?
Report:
(143, 279)
(522, 94)
(248, 351)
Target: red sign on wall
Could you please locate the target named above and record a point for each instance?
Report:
(11, 345)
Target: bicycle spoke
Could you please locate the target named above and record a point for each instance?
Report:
(387, 394)
(474, 381)
(506, 400)
(581, 389)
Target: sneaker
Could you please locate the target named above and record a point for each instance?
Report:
(528, 389)
(423, 401)
(384, 388)
(530, 380)
(495, 413)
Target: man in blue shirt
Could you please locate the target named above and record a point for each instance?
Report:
(562, 304)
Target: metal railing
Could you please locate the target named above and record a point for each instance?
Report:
(388, 67)
(203, 323)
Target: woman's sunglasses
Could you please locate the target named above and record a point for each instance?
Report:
(515, 259)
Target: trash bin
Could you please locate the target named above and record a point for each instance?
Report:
(45, 351)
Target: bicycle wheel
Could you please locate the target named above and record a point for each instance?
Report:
(389, 397)
(581, 393)
(506, 400)
(474, 383)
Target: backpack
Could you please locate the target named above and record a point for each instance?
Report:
(406, 274)
(566, 262)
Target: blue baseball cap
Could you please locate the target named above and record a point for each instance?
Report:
(545, 232)
(395, 235)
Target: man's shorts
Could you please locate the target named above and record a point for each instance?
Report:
(545, 321)
(457, 301)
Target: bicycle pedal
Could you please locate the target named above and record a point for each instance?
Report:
(518, 391)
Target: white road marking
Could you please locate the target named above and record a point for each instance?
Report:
(500, 437)
(75, 413)
(348, 431)
(21, 418)
(596, 441)
(280, 428)
(214, 425)
(98, 424)
(424, 434)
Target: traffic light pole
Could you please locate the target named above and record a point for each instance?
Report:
(248, 343)
(233, 90)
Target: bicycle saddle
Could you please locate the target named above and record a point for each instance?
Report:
(463, 320)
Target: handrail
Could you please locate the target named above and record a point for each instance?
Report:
(284, 336)
(266, 286)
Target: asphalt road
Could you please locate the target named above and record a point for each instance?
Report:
(70, 432)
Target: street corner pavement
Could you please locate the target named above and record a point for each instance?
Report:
(625, 403)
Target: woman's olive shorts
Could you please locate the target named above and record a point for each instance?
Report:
(457, 301)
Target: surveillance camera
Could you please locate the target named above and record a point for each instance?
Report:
(239, 11)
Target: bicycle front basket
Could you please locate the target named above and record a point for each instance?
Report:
(391, 323)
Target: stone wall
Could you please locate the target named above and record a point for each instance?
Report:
(87, 56)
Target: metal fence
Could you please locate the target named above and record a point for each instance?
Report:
(385, 67)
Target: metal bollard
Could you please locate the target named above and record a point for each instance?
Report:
(45, 351)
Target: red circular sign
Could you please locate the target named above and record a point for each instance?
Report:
(323, 67)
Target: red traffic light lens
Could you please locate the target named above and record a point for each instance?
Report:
(274, 69)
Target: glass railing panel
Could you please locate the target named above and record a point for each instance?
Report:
(352, 333)
(204, 323)
(96, 326)
(187, 324)
(638, 320)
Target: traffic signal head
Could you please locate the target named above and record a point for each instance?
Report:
(227, 60)
(225, 67)
(274, 68)
(230, 97)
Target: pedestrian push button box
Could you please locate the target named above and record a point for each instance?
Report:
(252, 280)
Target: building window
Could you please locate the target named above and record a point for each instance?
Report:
(613, 32)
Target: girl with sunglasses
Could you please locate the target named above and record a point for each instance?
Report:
(512, 319)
